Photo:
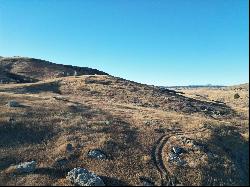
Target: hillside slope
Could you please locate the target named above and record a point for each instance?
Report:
(21, 70)
(136, 126)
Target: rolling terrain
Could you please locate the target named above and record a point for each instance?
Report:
(25, 70)
(135, 125)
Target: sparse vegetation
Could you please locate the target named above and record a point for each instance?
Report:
(135, 126)
(236, 96)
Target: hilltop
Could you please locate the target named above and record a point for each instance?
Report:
(25, 70)
(146, 135)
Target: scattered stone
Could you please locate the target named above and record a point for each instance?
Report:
(107, 122)
(195, 145)
(172, 157)
(26, 167)
(13, 103)
(97, 154)
(178, 150)
(75, 73)
(83, 177)
(217, 112)
(203, 108)
(148, 123)
(190, 143)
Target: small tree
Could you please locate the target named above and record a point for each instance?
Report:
(236, 96)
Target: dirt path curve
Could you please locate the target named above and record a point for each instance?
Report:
(167, 177)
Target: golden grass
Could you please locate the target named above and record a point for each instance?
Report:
(103, 112)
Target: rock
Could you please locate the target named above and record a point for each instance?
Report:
(75, 73)
(107, 122)
(199, 147)
(13, 103)
(83, 177)
(190, 143)
(172, 157)
(217, 112)
(97, 154)
(203, 108)
(148, 123)
(26, 167)
(177, 150)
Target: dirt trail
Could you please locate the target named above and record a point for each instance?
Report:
(167, 177)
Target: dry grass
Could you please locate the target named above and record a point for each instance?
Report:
(125, 120)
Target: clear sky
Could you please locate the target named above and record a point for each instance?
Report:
(161, 42)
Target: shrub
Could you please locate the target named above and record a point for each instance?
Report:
(236, 96)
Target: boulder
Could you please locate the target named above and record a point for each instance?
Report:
(13, 103)
(97, 154)
(83, 177)
(26, 167)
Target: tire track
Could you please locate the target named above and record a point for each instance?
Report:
(167, 177)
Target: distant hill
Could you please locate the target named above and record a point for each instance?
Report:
(25, 70)
(209, 86)
(240, 87)
(195, 86)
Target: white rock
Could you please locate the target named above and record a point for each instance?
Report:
(97, 154)
(83, 177)
(26, 167)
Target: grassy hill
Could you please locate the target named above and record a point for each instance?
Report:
(21, 70)
(135, 125)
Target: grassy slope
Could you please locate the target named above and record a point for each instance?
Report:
(25, 70)
(123, 118)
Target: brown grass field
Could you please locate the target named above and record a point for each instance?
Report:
(136, 125)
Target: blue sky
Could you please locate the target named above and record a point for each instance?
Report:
(161, 42)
